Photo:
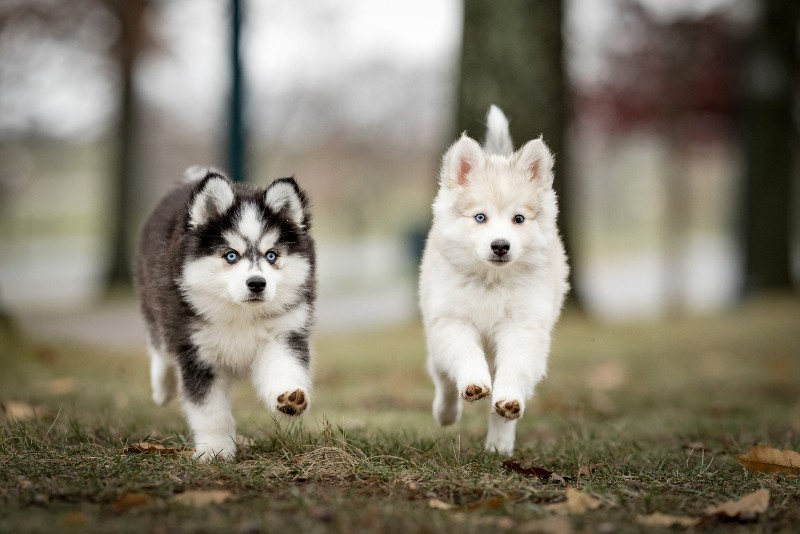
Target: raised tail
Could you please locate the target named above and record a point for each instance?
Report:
(498, 138)
(196, 173)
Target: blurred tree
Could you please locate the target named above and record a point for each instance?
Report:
(770, 79)
(679, 81)
(130, 42)
(127, 23)
(512, 56)
(236, 134)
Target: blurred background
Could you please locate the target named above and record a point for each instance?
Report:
(674, 124)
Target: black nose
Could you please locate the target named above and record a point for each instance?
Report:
(256, 284)
(500, 247)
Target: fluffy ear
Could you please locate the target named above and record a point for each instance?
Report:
(535, 159)
(284, 196)
(213, 196)
(459, 160)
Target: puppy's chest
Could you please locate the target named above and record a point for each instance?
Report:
(231, 345)
(487, 306)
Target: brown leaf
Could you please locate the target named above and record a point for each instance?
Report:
(18, 411)
(587, 471)
(61, 386)
(761, 459)
(657, 519)
(746, 508)
(75, 519)
(491, 503)
(201, 498)
(130, 500)
(607, 376)
(576, 503)
(539, 472)
(144, 447)
(437, 504)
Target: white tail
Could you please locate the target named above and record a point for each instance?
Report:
(196, 173)
(498, 138)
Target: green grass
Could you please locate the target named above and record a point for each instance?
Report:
(661, 409)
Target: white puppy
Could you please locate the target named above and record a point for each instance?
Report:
(493, 278)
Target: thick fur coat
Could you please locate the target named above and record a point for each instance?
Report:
(493, 278)
(226, 277)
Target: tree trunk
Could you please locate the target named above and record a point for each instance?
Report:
(512, 56)
(770, 76)
(130, 16)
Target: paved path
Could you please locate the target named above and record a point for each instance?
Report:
(118, 324)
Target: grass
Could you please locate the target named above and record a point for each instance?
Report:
(660, 411)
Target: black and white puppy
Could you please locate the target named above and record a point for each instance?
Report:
(226, 278)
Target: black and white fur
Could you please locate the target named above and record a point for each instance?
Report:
(226, 276)
(493, 278)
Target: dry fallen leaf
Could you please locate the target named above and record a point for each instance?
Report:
(539, 472)
(202, 497)
(657, 519)
(144, 447)
(746, 508)
(607, 376)
(437, 504)
(761, 459)
(61, 386)
(587, 470)
(491, 503)
(130, 500)
(18, 411)
(75, 519)
(577, 503)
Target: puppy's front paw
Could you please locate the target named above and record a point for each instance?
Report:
(509, 408)
(474, 392)
(293, 403)
(220, 450)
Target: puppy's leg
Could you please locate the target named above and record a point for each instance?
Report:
(282, 374)
(520, 364)
(208, 407)
(500, 437)
(446, 400)
(455, 352)
(163, 376)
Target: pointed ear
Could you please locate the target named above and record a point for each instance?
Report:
(535, 159)
(285, 197)
(213, 196)
(459, 160)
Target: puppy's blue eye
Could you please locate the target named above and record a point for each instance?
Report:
(480, 217)
(231, 257)
(519, 219)
(271, 256)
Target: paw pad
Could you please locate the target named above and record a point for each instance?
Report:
(475, 392)
(508, 409)
(293, 403)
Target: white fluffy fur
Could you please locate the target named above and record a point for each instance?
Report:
(489, 324)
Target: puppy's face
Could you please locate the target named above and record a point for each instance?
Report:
(245, 250)
(500, 224)
(495, 211)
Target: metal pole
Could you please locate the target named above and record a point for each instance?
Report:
(236, 133)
